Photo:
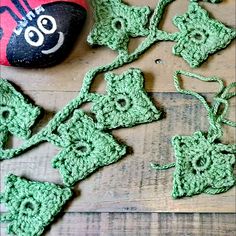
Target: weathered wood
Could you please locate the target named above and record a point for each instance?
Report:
(143, 224)
(69, 75)
(130, 185)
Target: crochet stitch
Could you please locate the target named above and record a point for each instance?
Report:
(200, 35)
(32, 205)
(116, 22)
(202, 166)
(87, 149)
(126, 103)
(85, 146)
(17, 115)
(202, 163)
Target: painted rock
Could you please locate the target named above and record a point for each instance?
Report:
(39, 33)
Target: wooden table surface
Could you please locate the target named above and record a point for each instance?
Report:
(128, 197)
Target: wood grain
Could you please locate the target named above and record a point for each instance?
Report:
(69, 75)
(144, 189)
(142, 224)
(124, 198)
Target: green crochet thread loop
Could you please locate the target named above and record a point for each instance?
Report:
(202, 163)
(32, 205)
(162, 167)
(227, 95)
(215, 130)
(212, 1)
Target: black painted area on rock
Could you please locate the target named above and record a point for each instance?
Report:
(48, 39)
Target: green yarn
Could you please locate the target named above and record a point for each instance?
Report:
(86, 149)
(154, 35)
(200, 35)
(203, 164)
(17, 115)
(32, 205)
(126, 103)
(85, 146)
(116, 23)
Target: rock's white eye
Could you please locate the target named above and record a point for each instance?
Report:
(47, 24)
(33, 36)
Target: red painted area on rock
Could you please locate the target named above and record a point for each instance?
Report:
(14, 12)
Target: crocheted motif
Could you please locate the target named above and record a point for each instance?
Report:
(200, 35)
(17, 115)
(87, 149)
(84, 147)
(126, 103)
(202, 166)
(32, 205)
(115, 22)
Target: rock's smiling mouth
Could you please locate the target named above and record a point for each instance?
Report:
(57, 46)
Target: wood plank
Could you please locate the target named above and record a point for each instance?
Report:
(68, 76)
(143, 224)
(144, 190)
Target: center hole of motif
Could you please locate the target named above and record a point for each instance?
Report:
(118, 24)
(122, 103)
(201, 162)
(29, 206)
(83, 148)
(198, 36)
(5, 114)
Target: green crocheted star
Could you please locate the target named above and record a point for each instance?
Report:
(126, 103)
(87, 149)
(17, 115)
(200, 35)
(202, 166)
(32, 205)
(116, 22)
